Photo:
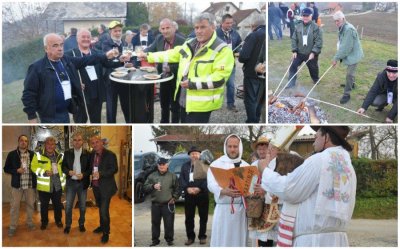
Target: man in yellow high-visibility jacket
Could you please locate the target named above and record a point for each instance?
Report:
(46, 164)
(205, 64)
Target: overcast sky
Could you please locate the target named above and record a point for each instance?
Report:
(142, 135)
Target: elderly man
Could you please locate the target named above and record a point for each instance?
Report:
(196, 194)
(104, 167)
(253, 85)
(76, 166)
(164, 189)
(46, 164)
(226, 33)
(168, 39)
(23, 182)
(306, 46)
(349, 51)
(229, 229)
(91, 78)
(205, 64)
(52, 88)
(384, 91)
(322, 192)
(115, 89)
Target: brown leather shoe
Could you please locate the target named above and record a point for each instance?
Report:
(203, 241)
(189, 242)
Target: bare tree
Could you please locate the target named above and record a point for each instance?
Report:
(24, 19)
(377, 142)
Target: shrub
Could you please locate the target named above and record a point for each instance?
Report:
(376, 178)
(16, 60)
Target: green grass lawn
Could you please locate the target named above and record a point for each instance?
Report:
(376, 208)
(366, 208)
(12, 104)
(376, 55)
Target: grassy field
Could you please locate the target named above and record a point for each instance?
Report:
(366, 208)
(376, 208)
(376, 55)
(12, 104)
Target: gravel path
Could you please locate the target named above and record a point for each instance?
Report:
(362, 232)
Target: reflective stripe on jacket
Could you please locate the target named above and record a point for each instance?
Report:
(40, 164)
(207, 72)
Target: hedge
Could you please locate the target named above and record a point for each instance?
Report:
(376, 178)
(17, 60)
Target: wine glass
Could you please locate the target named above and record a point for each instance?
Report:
(138, 51)
(116, 53)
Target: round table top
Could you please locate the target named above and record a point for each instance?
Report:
(136, 77)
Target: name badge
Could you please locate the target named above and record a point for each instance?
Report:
(54, 168)
(305, 40)
(337, 45)
(191, 177)
(91, 71)
(390, 98)
(66, 86)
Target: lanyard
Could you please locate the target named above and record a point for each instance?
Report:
(302, 30)
(58, 77)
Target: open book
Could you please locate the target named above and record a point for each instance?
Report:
(244, 178)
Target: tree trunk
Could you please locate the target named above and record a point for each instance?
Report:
(374, 153)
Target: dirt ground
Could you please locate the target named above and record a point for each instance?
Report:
(378, 26)
(362, 232)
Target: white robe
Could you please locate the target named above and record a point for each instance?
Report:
(273, 233)
(228, 230)
(302, 187)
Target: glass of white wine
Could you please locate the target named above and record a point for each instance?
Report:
(138, 51)
(116, 53)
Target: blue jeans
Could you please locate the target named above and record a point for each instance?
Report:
(75, 188)
(252, 88)
(59, 117)
(230, 89)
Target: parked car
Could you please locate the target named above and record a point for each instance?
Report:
(180, 158)
(144, 165)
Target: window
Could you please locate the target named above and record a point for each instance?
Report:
(227, 8)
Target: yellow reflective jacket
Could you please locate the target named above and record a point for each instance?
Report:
(207, 71)
(41, 163)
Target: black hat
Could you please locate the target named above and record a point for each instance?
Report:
(307, 12)
(193, 148)
(162, 160)
(340, 131)
(391, 66)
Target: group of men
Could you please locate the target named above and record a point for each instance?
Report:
(51, 172)
(307, 44)
(78, 81)
(308, 194)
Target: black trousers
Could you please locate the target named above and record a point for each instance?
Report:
(194, 117)
(312, 68)
(44, 198)
(201, 202)
(103, 202)
(158, 212)
(268, 243)
(167, 103)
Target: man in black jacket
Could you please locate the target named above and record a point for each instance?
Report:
(23, 181)
(76, 166)
(115, 90)
(91, 78)
(384, 92)
(248, 56)
(168, 39)
(104, 167)
(51, 86)
(196, 194)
